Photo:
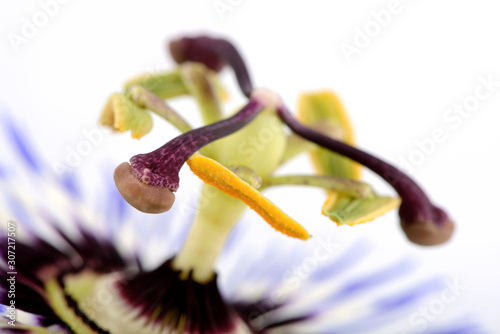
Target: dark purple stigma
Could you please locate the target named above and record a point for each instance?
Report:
(213, 53)
(422, 222)
(161, 167)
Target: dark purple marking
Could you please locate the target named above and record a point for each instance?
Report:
(88, 252)
(162, 292)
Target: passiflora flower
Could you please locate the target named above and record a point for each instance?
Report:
(77, 274)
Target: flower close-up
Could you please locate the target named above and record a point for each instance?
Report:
(200, 202)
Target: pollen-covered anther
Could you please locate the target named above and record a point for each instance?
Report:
(218, 176)
(143, 197)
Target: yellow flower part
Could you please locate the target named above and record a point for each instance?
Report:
(347, 210)
(218, 176)
(61, 308)
(324, 112)
(28, 329)
(121, 114)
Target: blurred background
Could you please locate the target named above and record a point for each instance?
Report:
(419, 79)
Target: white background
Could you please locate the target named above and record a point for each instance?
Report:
(396, 89)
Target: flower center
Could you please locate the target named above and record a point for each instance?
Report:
(146, 303)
